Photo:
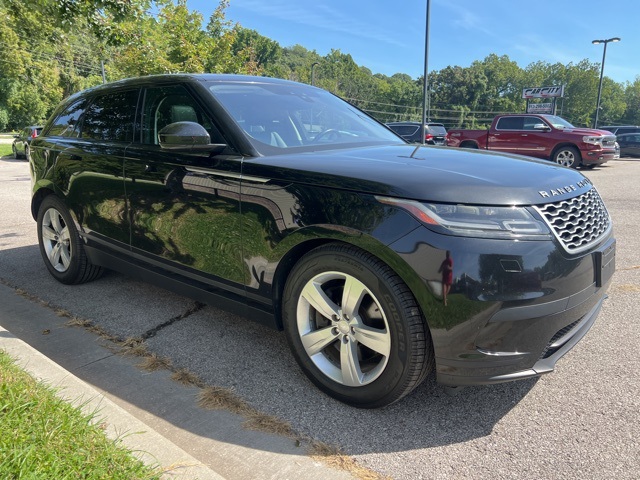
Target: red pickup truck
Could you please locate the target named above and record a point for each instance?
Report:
(543, 136)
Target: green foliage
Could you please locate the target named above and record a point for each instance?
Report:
(4, 119)
(53, 48)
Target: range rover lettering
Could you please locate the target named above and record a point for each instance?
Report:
(383, 262)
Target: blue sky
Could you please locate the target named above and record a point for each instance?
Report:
(387, 36)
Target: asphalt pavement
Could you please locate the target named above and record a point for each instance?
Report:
(578, 422)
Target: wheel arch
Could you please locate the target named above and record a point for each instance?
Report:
(37, 198)
(359, 240)
(564, 145)
(469, 144)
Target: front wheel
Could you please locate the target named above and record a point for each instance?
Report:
(61, 246)
(568, 157)
(355, 328)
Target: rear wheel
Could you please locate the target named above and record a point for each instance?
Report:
(61, 246)
(567, 157)
(15, 150)
(355, 328)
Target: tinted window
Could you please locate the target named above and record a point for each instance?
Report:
(530, 122)
(110, 117)
(436, 129)
(627, 130)
(406, 130)
(510, 123)
(166, 105)
(65, 124)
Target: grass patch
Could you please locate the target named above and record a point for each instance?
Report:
(42, 436)
(154, 362)
(5, 149)
(185, 377)
(333, 457)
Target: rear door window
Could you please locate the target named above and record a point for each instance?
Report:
(110, 117)
(510, 123)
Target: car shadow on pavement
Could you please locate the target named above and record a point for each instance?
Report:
(12, 159)
(224, 350)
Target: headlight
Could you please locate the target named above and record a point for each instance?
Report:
(593, 140)
(475, 221)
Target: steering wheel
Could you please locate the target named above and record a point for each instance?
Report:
(330, 131)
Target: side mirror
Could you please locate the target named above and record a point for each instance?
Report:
(541, 126)
(187, 136)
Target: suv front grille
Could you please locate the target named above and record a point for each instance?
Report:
(578, 223)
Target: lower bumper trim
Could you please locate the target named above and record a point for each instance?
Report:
(542, 366)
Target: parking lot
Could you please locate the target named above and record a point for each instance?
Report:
(578, 422)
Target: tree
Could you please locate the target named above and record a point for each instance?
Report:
(632, 103)
(503, 88)
(264, 51)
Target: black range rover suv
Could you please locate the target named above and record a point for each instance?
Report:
(382, 261)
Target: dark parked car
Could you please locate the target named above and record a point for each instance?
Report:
(381, 261)
(629, 144)
(621, 129)
(435, 133)
(23, 140)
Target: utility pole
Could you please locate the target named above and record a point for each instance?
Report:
(425, 99)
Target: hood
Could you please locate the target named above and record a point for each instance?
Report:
(427, 173)
(588, 131)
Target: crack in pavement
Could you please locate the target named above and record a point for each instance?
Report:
(153, 331)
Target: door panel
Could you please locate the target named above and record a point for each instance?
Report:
(184, 209)
(185, 213)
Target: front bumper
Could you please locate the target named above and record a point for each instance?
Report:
(514, 308)
(499, 367)
(597, 157)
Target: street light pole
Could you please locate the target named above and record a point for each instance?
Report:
(313, 72)
(604, 54)
(425, 99)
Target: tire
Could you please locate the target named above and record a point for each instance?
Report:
(567, 157)
(15, 151)
(26, 152)
(61, 246)
(470, 145)
(369, 354)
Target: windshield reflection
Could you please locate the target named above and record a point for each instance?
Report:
(278, 118)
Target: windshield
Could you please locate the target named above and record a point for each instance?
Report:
(557, 122)
(278, 117)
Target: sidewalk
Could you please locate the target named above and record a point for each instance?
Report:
(152, 415)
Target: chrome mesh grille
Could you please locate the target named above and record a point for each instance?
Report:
(578, 223)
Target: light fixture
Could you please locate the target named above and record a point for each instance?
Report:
(604, 54)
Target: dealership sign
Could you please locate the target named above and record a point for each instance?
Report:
(541, 108)
(543, 92)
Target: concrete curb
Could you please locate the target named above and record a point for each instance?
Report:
(147, 444)
(152, 414)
